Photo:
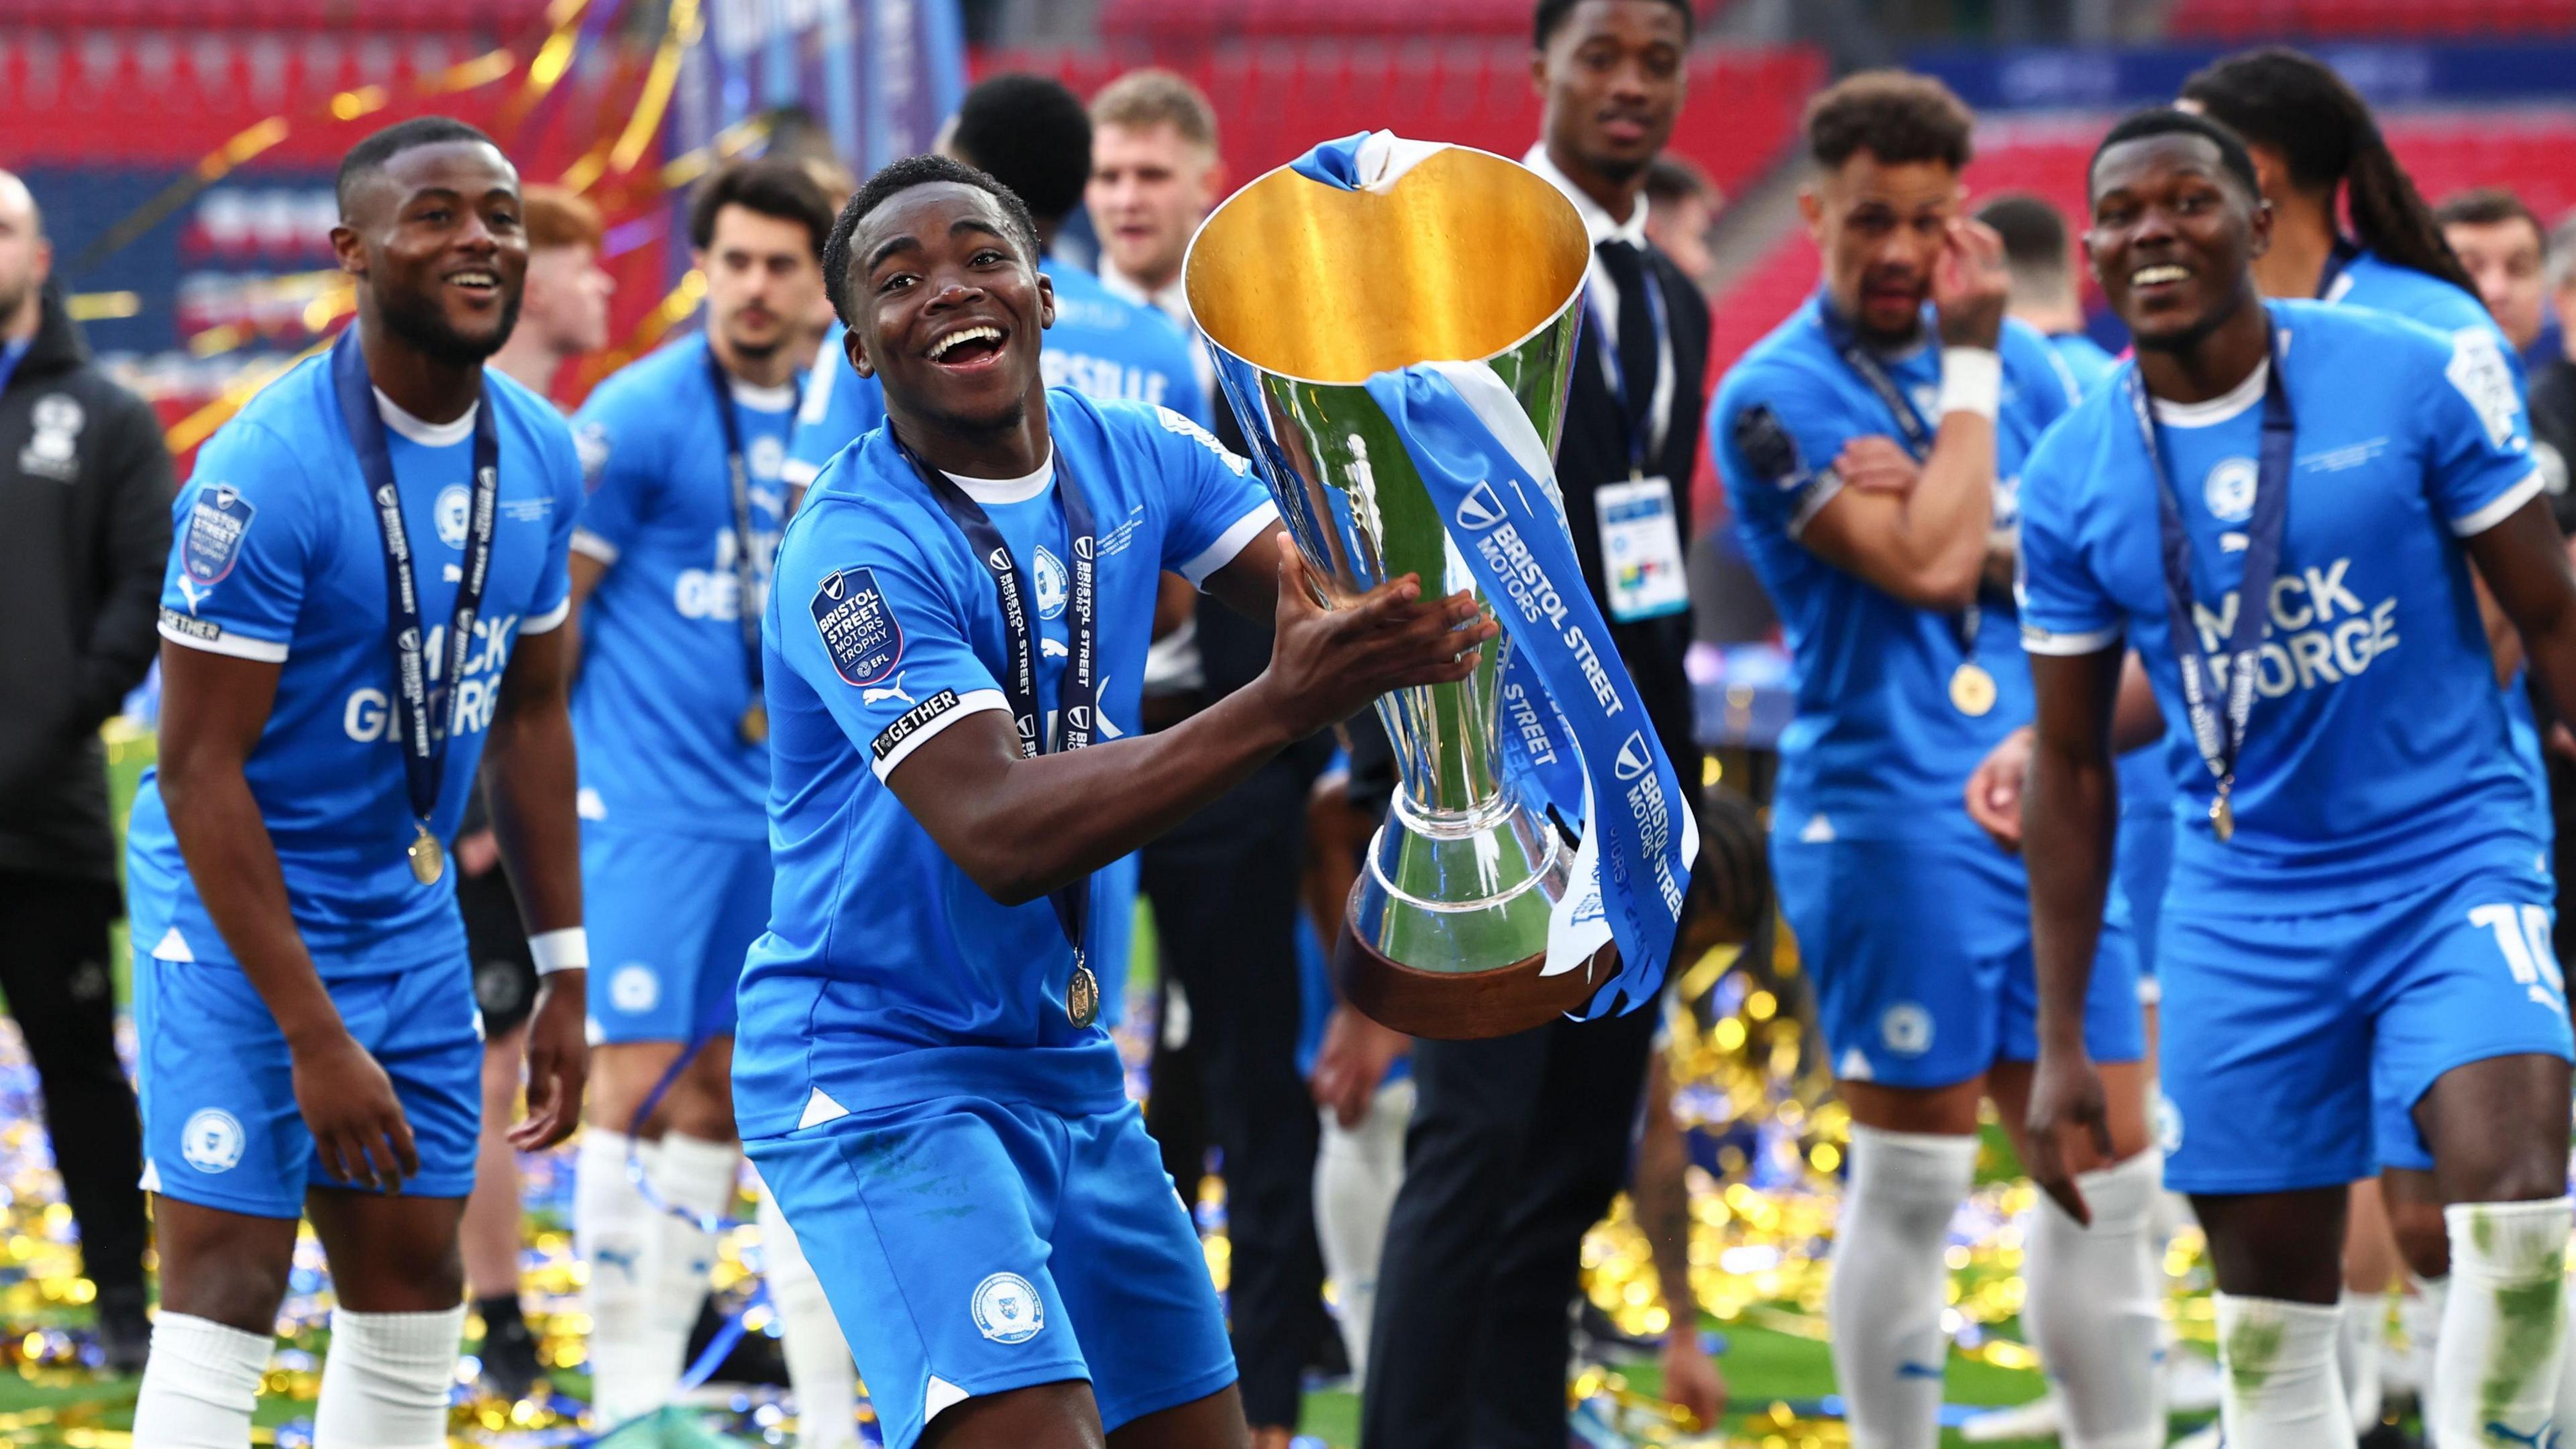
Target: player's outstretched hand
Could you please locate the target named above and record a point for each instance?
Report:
(1970, 286)
(357, 1123)
(558, 1061)
(1877, 464)
(1327, 664)
(2066, 1098)
(1995, 789)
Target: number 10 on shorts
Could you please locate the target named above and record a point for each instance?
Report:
(2522, 932)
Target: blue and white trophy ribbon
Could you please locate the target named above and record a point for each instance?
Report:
(1400, 374)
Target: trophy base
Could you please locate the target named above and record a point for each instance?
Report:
(1455, 1006)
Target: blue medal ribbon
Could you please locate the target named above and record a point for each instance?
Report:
(426, 709)
(746, 577)
(2221, 735)
(1078, 701)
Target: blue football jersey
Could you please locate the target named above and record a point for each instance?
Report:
(276, 556)
(1102, 346)
(2084, 364)
(1875, 750)
(887, 974)
(2367, 280)
(2377, 757)
(665, 672)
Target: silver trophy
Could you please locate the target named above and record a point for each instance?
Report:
(1304, 290)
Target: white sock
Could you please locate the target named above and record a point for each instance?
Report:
(2357, 1339)
(200, 1385)
(1358, 1171)
(818, 1357)
(697, 1177)
(2506, 1325)
(2566, 1414)
(2421, 1312)
(2094, 1311)
(632, 1372)
(1883, 1303)
(386, 1379)
(2280, 1389)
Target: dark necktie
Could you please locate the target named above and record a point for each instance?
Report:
(1636, 340)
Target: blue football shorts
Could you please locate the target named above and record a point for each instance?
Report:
(671, 918)
(220, 1124)
(969, 1247)
(2296, 1047)
(1920, 951)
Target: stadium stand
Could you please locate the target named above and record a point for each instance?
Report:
(2245, 20)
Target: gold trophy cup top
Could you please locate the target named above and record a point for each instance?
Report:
(1465, 257)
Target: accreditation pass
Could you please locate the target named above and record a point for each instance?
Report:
(1641, 549)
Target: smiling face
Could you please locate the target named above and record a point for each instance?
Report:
(1612, 78)
(2173, 237)
(1881, 227)
(435, 238)
(947, 308)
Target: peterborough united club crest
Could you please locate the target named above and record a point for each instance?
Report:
(1007, 1309)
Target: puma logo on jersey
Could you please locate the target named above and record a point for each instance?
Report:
(887, 694)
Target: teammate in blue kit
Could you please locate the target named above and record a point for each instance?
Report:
(1872, 465)
(919, 1074)
(1031, 134)
(669, 565)
(2365, 956)
(364, 601)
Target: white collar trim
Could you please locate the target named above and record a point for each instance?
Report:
(2231, 404)
(989, 491)
(1597, 225)
(779, 399)
(427, 434)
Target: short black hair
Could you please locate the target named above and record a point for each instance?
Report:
(2166, 121)
(1032, 134)
(769, 186)
(370, 155)
(899, 177)
(2033, 231)
(1551, 15)
(1894, 115)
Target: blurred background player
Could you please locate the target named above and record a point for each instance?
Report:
(1520, 1143)
(2505, 251)
(1908, 672)
(2364, 975)
(564, 313)
(1155, 175)
(304, 998)
(86, 484)
(684, 451)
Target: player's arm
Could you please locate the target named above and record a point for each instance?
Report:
(1659, 1191)
(530, 778)
(1929, 545)
(1022, 827)
(2069, 822)
(1249, 582)
(2523, 561)
(1997, 785)
(213, 710)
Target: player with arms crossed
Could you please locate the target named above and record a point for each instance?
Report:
(919, 1073)
(364, 601)
(1870, 446)
(2364, 973)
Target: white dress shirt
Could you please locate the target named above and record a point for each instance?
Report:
(1601, 294)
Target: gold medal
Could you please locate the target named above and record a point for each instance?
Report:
(1972, 690)
(755, 723)
(1082, 995)
(428, 860)
(2222, 818)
